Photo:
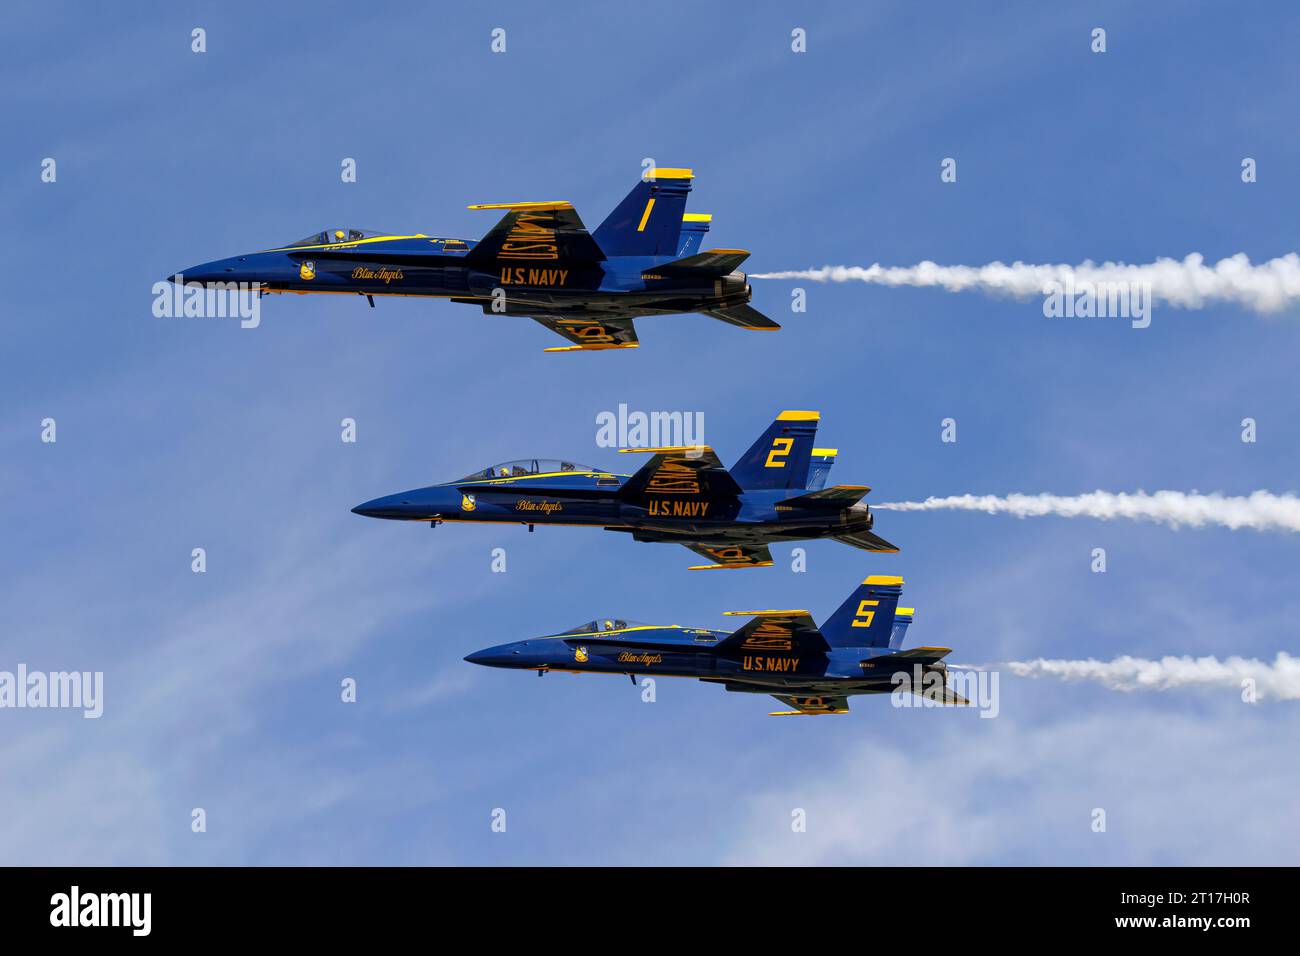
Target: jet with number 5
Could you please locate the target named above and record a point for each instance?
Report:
(783, 653)
(539, 261)
(776, 492)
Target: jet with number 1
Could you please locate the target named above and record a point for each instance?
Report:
(814, 670)
(539, 261)
(775, 493)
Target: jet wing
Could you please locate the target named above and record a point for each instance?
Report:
(732, 556)
(867, 541)
(588, 333)
(775, 631)
(540, 233)
(812, 706)
(693, 471)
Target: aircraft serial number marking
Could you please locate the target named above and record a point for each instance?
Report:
(678, 509)
(534, 276)
(770, 664)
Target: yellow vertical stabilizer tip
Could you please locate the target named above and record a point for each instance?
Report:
(883, 579)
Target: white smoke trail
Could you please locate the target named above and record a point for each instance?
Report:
(1278, 681)
(1261, 510)
(1190, 284)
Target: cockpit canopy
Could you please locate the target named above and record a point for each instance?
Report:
(603, 624)
(530, 466)
(330, 236)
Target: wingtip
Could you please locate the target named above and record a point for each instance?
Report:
(729, 567)
(592, 348)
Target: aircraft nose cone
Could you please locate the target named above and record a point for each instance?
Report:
(389, 506)
(478, 657)
(220, 270)
(369, 509)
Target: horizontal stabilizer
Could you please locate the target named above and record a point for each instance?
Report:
(867, 541)
(746, 317)
(837, 496)
(920, 654)
(712, 262)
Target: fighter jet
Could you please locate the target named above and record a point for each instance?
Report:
(782, 653)
(683, 494)
(539, 261)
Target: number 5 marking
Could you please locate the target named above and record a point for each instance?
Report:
(780, 448)
(864, 617)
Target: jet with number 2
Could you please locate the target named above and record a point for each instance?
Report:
(775, 493)
(782, 653)
(539, 261)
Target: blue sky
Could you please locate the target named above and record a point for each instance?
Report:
(222, 689)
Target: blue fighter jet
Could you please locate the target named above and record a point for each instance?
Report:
(539, 261)
(683, 494)
(783, 653)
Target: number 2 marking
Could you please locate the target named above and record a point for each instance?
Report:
(780, 449)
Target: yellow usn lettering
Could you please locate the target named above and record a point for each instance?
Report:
(534, 276)
(770, 636)
(780, 449)
(528, 240)
(674, 478)
(678, 509)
